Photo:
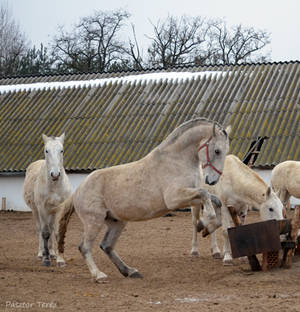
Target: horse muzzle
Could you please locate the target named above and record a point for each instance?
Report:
(210, 182)
(55, 177)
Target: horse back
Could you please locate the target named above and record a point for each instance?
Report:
(286, 176)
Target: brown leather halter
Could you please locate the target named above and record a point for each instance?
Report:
(208, 162)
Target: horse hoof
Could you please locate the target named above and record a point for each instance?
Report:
(53, 257)
(39, 257)
(101, 278)
(136, 274)
(195, 253)
(227, 262)
(217, 255)
(61, 264)
(46, 263)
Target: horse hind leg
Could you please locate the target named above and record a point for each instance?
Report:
(113, 232)
(91, 231)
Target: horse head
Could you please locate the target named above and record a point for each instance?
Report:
(212, 153)
(54, 149)
(272, 207)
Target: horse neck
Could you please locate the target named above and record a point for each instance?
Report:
(187, 143)
(255, 186)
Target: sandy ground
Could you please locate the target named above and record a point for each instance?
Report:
(173, 279)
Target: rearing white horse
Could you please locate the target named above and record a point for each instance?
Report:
(165, 179)
(46, 185)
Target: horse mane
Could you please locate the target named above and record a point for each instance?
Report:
(250, 173)
(177, 132)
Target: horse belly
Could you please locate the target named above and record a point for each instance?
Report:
(138, 209)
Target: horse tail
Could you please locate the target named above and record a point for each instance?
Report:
(65, 211)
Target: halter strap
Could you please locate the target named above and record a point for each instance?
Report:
(208, 162)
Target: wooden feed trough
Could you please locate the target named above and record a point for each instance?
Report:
(264, 237)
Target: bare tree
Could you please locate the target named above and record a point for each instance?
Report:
(93, 44)
(236, 44)
(13, 44)
(134, 52)
(176, 41)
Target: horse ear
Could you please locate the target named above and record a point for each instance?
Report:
(214, 129)
(45, 138)
(268, 192)
(62, 138)
(228, 129)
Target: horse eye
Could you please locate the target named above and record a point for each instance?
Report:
(218, 152)
(271, 209)
(62, 151)
(47, 151)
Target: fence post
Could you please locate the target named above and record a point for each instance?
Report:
(4, 203)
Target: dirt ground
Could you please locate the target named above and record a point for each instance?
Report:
(173, 280)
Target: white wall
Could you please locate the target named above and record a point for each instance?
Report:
(12, 189)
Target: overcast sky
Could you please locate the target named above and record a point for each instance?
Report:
(39, 18)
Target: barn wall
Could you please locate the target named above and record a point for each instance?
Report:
(12, 189)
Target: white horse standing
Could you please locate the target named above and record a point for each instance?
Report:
(165, 179)
(285, 180)
(46, 186)
(241, 188)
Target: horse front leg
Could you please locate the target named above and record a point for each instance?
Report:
(39, 231)
(51, 246)
(284, 196)
(196, 197)
(227, 260)
(195, 218)
(46, 254)
(46, 226)
(216, 253)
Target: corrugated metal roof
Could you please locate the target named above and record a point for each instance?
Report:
(119, 122)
